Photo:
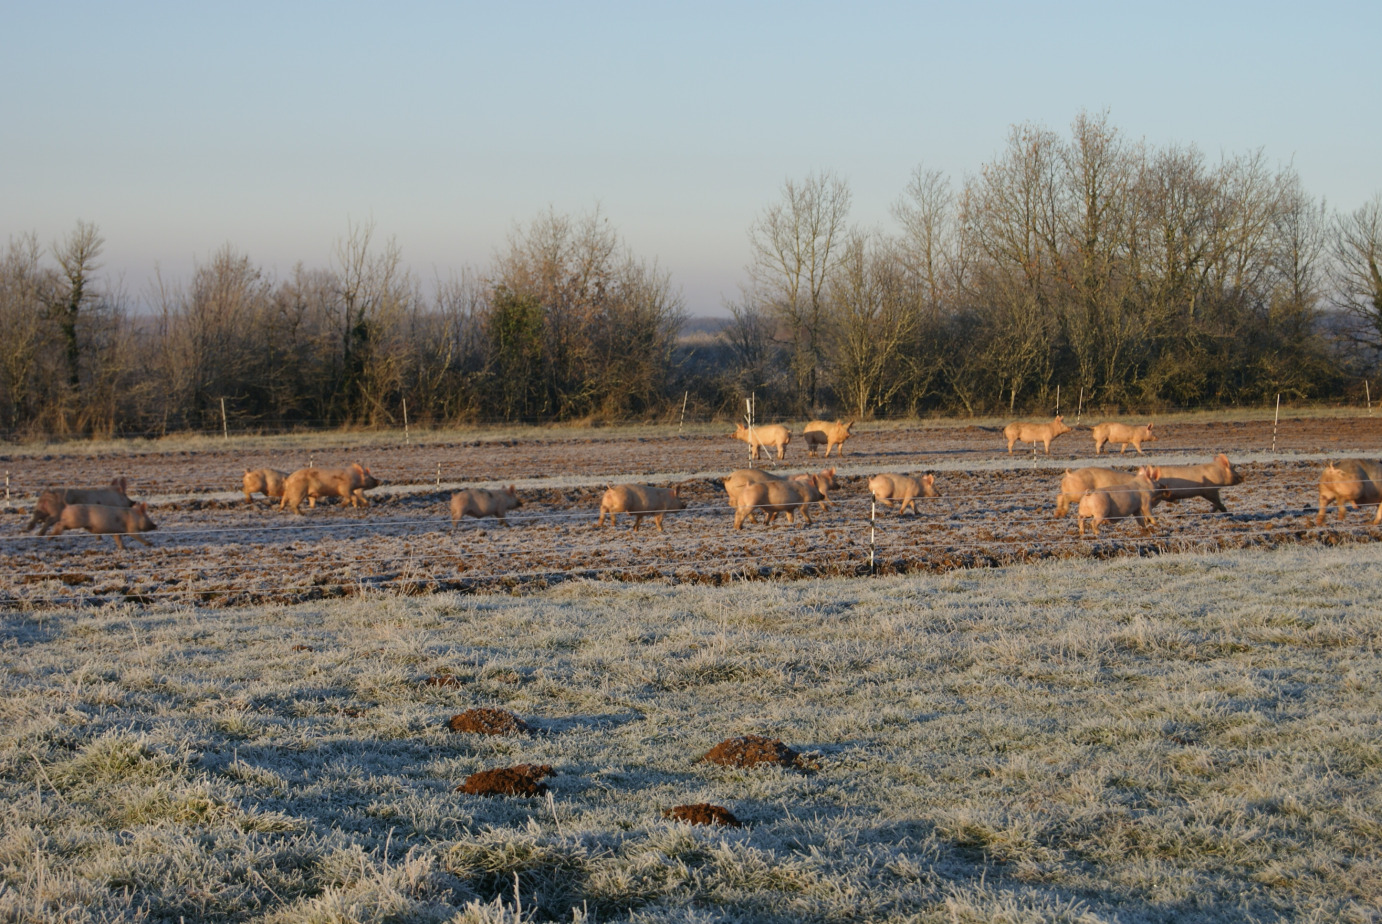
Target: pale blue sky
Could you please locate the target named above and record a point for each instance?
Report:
(177, 127)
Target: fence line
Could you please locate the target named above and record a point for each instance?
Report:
(316, 425)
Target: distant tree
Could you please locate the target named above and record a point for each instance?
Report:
(24, 290)
(76, 255)
(796, 246)
(1356, 277)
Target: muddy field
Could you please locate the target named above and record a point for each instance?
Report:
(213, 549)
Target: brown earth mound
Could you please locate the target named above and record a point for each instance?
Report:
(522, 780)
(752, 750)
(443, 680)
(489, 722)
(703, 813)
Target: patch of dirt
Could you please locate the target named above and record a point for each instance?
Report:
(485, 721)
(753, 751)
(703, 813)
(522, 780)
(443, 680)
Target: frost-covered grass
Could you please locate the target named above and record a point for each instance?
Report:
(1175, 738)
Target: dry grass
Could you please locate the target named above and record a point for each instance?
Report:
(1185, 737)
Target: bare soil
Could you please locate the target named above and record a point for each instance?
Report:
(484, 721)
(522, 780)
(211, 548)
(703, 813)
(752, 751)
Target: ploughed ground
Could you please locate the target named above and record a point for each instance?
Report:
(213, 549)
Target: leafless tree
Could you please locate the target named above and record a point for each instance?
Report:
(76, 255)
(1356, 276)
(795, 245)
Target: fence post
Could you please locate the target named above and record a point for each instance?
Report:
(1058, 400)
(681, 423)
(1276, 420)
(873, 528)
(225, 429)
(7, 485)
(1080, 410)
(1367, 390)
(406, 438)
(439, 474)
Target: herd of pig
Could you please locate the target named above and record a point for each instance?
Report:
(1099, 494)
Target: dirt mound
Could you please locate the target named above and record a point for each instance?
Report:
(522, 780)
(489, 722)
(703, 813)
(443, 680)
(751, 751)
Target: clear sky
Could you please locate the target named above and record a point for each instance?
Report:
(178, 127)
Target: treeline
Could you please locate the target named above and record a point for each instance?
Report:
(1145, 277)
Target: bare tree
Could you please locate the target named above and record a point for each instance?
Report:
(795, 244)
(876, 324)
(1356, 276)
(24, 290)
(76, 255)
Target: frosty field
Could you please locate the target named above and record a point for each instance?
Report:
(1180, 737)
(212, 549)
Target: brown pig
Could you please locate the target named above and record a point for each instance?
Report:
(1116, 502)
(50, 502)
(774, 435)
(820, 432)
(1351, 481)
(1074, 484)
(266, 481)
(479, 502)
(903, 490)
(1123, 434)
(735, 482)
(639, 501)
(101, 520)
(824, 482)
(1186, 481)
(774, 497)
(1018, 432)
(308, 484)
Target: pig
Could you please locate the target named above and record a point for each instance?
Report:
(639, 501)
(1351, 481)
(102, 520)
(479, 502)
(831, 434)
(774, 497)
(1018, 432)
(1116, 502)
(266, 481)
(903, 490)
(1123, 434)
(824, 482)
(770, 435)
(1073, 485)
(1186, 481)
(50, 502)
(309, 484)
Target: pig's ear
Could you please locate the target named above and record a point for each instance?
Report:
(1149, 425)
(511, 489)
(143, 507)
